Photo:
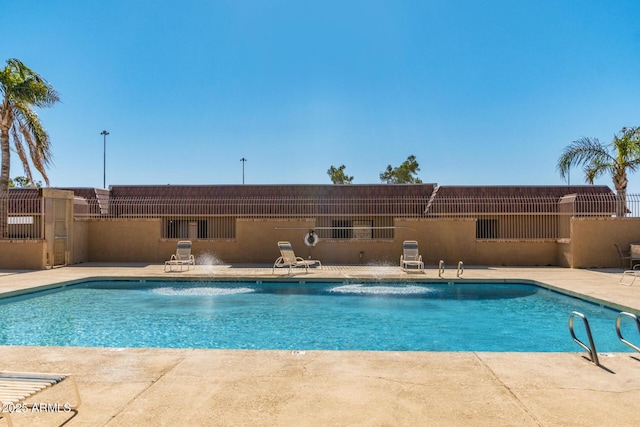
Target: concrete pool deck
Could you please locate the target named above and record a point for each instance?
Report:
(122, 387)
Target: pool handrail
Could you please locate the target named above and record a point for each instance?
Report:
(591, 350)
(460, 269)
(618, 320)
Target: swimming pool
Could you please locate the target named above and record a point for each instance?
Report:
(292, 315)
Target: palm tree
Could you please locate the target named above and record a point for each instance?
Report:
(616, 158)
(21, 90)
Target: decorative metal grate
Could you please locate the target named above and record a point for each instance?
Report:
(24, 219)
(522, 218)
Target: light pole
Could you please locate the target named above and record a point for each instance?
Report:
(243, 160)
(104, 133)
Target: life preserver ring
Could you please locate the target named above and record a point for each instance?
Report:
(311, 239)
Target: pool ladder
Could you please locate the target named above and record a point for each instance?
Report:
(618, 320)
(458, 273)
(591, 348)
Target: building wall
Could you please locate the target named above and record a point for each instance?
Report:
(593, 239)
(565, 256)
(453, 240)
(449, 240)
(23, 254)
(256, 242)
(516, 253)
(126, 241)
(80, 242)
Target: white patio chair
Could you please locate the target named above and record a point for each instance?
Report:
(182, 257)
(410, 256)
(629, 277)
(289, 259)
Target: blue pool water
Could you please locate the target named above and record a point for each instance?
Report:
(326, 316)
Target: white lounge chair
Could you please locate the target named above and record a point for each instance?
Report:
(410, 256)
(15, 387)
(289, 259)
(630, 275)
(182, 257)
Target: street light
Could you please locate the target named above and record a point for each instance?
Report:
(243, 160)
(104, 133)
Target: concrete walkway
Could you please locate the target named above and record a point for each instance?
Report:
(125, 387)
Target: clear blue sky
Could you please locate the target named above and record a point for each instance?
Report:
(481, 92)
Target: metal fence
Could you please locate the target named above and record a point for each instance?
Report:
(531, 218)
(522, 218)
(258, 207)
(572, 205)
(215, 218)
(25, 219)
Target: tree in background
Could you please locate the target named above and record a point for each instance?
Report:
(338, 176)
(615, 158)
(21, 90)
(406, 173)
(23, 182)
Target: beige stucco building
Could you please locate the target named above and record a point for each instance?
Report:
(571, 226)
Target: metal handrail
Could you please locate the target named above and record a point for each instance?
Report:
(440, 268)
(593, 354)
(618, 320)
(460, 269)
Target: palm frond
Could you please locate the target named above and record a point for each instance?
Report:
(39, 157)
(582, 152)
(38, 139)
(597, 168)
(30, 87)
(627, 145)
(633, 165)
(18, 147)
